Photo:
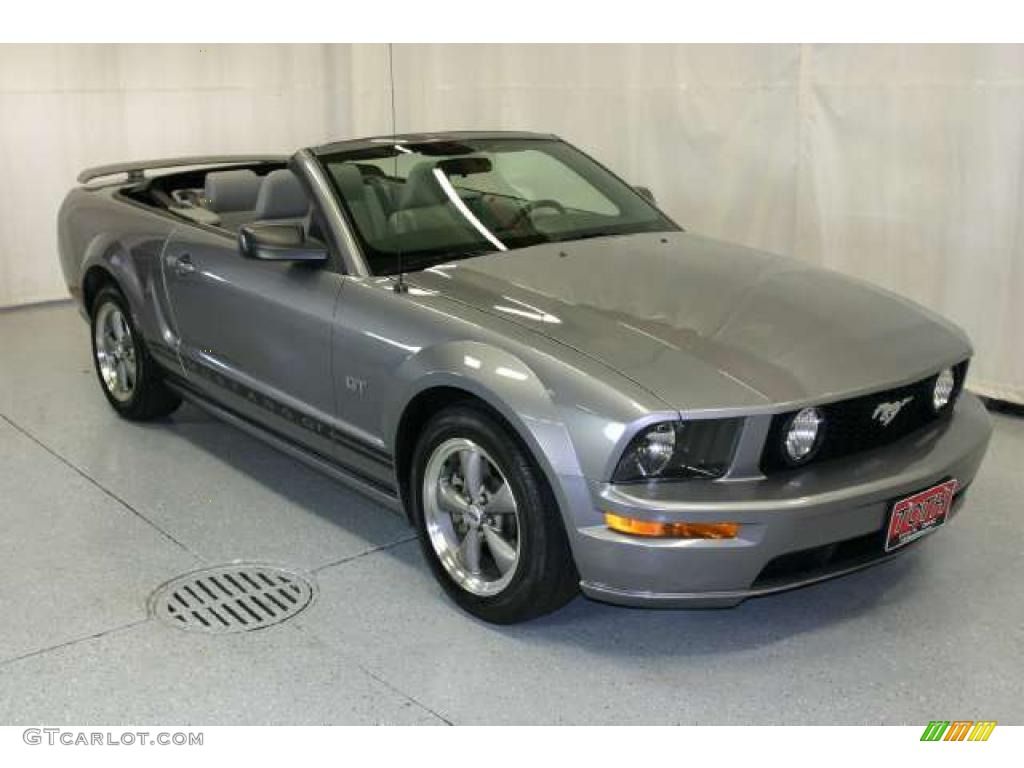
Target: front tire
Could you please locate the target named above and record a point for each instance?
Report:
(128, 376)
(489, 524)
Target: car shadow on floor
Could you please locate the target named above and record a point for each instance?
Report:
(609, 630)
(592, 626)
(284, 476)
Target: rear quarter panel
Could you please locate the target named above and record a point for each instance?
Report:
(98, 229)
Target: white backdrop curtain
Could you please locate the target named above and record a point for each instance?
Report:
(903, 165)
(66, 107)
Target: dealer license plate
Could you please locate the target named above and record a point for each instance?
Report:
(919, 514)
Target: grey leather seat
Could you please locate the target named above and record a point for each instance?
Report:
(361, 200)
(231, 195)
(423, 203)
(281, 197)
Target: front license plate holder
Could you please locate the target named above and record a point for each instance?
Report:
(912, 517)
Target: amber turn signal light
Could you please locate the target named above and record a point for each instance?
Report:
(671, 530)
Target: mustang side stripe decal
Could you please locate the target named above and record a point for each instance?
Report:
(187, 389)
(277, 408)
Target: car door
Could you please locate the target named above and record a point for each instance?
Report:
(255, 336)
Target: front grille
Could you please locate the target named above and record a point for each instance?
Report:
(851, 426)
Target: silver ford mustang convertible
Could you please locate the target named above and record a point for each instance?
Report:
(560, 387)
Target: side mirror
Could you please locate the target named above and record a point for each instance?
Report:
(279, 242)
(646, 193)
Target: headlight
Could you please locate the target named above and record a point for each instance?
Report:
(653, 451)
(942, 392)
(679, 450)
(803, 435)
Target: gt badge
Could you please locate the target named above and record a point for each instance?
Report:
(357, 386)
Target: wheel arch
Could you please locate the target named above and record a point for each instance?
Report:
(494, 380)
(107, 260)
(111, 260)
(93, 281)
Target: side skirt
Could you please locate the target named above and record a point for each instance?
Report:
(372, 489)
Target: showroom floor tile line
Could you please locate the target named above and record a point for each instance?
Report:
(73, 641)
(98, 485)
(404, 694)
(365, 552)
(41, 304)
(373, 675)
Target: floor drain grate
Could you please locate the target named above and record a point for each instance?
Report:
(232, 598)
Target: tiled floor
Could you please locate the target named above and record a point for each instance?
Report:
(96, 512)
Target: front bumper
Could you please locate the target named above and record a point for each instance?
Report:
(797, 529)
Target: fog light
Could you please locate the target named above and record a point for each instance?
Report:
(803, 433)
(943, 389)
(671, 530)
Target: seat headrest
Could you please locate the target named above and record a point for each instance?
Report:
(225, 191)
(281, 196)
(421, 188)
(349, 181)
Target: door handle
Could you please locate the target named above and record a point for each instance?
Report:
(183, 265)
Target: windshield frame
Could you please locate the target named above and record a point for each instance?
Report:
(376, 261)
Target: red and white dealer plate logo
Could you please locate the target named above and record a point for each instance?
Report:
(916, 515)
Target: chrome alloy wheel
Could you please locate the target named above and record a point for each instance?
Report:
(471, 517)
(115, 352)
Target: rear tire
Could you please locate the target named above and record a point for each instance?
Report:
(471, 477)
(128, 376)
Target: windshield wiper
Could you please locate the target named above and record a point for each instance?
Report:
(471, 254)
(448, 258)
(588, 235)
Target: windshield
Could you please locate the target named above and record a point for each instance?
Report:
(438, 201)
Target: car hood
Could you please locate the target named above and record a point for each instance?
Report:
(708, 325)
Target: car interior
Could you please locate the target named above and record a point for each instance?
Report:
(385, 206)
(380, 205)
(230, 198)
(389, 211)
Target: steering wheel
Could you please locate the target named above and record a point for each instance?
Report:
(533, 205)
